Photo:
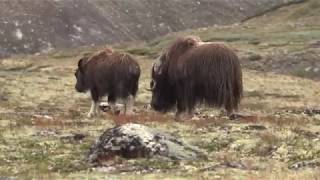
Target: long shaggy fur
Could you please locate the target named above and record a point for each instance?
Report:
(108, 72)
(197, 72)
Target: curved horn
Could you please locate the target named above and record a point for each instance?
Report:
(157, 65)
(152, 85)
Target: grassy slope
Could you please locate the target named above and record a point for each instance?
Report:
(33, 145)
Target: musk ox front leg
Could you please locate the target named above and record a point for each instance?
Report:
(94, 110)
(185, 103)
(181, 107)
(183, 112)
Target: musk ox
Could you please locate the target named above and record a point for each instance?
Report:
(191, 71)
(110, 74)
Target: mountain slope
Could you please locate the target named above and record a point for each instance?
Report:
(31, 26)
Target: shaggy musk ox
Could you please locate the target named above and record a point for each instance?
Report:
(191, 71)
(108, 73)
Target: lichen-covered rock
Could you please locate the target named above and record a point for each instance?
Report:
(135, 141)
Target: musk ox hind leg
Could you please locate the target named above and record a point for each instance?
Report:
(112, 103)
(128, 105)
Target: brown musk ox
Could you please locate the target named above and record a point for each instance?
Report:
(110, 74)
(191, 71)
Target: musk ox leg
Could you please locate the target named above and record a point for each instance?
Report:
(94, 109)
(112, 103)
(180, 116)
(129, 103)
(181, 109)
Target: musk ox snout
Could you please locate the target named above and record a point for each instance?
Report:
(163, 98)
(79, 88)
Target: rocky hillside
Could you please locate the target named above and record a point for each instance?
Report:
(31, 26)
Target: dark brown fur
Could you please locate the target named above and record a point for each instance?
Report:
(191, 72)
(108, 73)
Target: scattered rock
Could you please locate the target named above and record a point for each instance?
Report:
(47, 133)
(234, 165)
(304, 164)
(243, 116)
(42, 117)
(8, 178)
(139, 141)
(312, 111)
(255, 127)
(254, 57)
(315, 44)
(254, 42)
(73, 137)
(306, 133)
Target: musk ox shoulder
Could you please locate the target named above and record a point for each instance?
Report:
(110, 74)
(191, 71)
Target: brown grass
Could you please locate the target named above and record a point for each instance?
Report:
(140, 118)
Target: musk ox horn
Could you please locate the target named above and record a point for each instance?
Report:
(157, 65)
(152, 85)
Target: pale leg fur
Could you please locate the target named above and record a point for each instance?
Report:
(128, 106)
(112, 106)
(93, 110)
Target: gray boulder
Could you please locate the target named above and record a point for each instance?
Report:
(139, 141)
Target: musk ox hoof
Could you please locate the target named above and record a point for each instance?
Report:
(91, 114)
(147, 107)
(116, 111)
(105, 107)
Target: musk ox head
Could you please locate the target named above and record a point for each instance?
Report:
(163, 93)
(163, 89)
(81, 84)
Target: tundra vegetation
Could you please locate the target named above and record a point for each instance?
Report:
(44, 132)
